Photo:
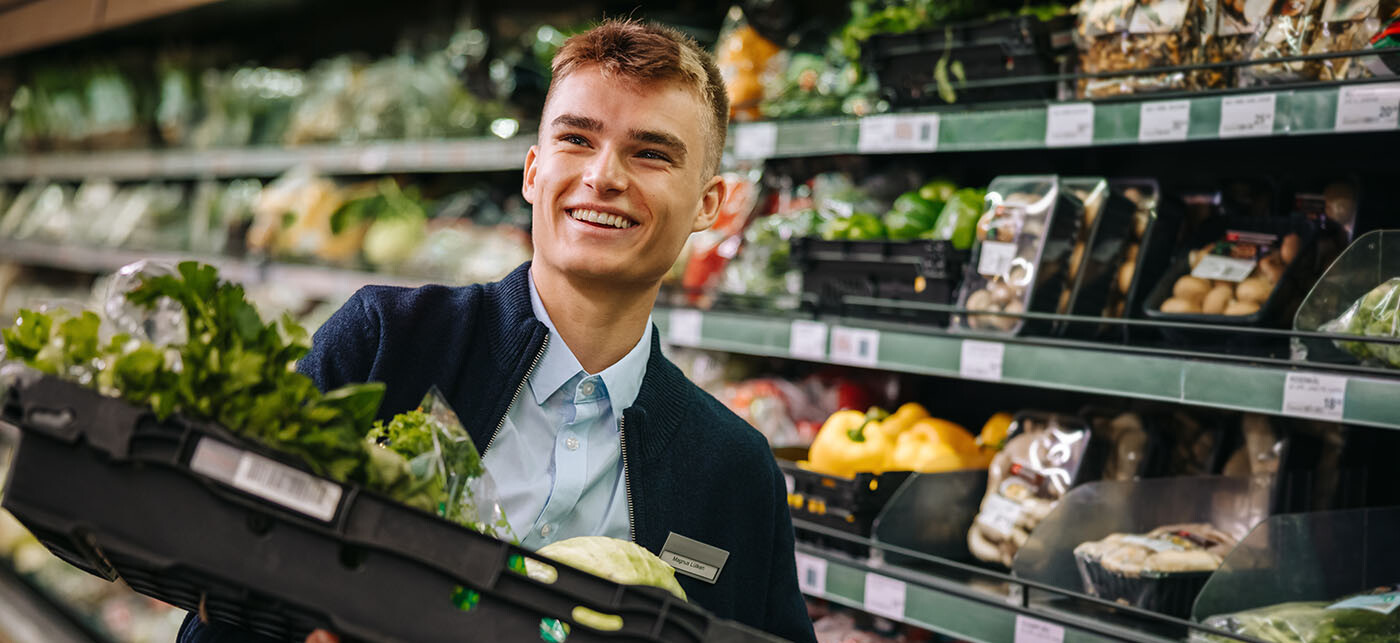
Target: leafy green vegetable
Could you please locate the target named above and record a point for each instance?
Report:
(1375, 314)
(617, 560)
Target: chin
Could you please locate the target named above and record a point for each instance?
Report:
(608, 270)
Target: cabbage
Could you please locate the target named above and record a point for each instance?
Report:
(617, 560)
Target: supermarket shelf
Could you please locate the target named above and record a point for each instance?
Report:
(467, 155)
(314, 281)
(1370, 401)
(1365, 107)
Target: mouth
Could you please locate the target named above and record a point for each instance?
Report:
(600, 219)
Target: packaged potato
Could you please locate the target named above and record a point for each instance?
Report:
(1227, 35)
(1234, 275)
(1102, 37)
(1164, 33)
(1291, 27)
(1346, 25)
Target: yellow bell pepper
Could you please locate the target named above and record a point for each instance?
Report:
(994, 431)
(922, 449)
(950, 433)
(903, 417)
(850, 442)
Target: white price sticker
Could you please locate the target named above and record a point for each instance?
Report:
(1164, 120)
(885, 596)
(286, 486)
(811, 574)
(1224, 268)
(684, 329)
(1247, 115)
(981, 360)
(855, 346)
(807, 340)
(755, 141)
(898, 133)
(999, 515)
(1034, 630)
(1316, 396)
(1069, 125)
(1364, 108)
(995, 258)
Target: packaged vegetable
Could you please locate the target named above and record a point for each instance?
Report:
(1038, 465)
(744, 58)
(1164, 33)
(1235, 25)
(1162, 570)
(1291, 27)
(1102, 37)
(1346, 25)
(1377, 314)
(1369, 617)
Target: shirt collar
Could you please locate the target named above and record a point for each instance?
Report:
(623, 379)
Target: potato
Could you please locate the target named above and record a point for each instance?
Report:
(980, 300)
(1181, 306)
(1241, 308)
(1075, 258)
(1195, 257)
(1288, 250)
(1255, 289)
(1271, 268)
(1190, 288)
(1125, 276)
(1132, 253)
(1216, 300)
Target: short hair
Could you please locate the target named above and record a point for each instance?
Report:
(648, 53)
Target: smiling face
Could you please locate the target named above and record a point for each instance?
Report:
(619, 178)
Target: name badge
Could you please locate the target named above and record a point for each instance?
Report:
(693, 558)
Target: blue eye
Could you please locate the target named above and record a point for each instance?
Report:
(653, 154)
(574, 139)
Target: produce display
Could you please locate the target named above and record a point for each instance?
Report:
(1036, 467)
(1233, 276)
(1377, 314)
(1368, 617)
(877, 441)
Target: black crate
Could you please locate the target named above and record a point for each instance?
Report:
(1020, 46)
(163, 505)
(844, 504)
(920, 271)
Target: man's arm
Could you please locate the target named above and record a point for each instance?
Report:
(344, 348)
(787, 609)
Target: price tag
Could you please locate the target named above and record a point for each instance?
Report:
(1034, 630)
(996, 258)
(1316, 396)
(1224, 268)
(1368, 107)
(999, 515)
(898, 133)
(1164, 120)
(1069, 125)
(811, 574)
(1247, 115)
(884, 596)
(684, 329)
(807, 340)
(755, 141)
(981, 360)
(856, 346)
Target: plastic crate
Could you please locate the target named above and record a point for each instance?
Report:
(1020, 46)
(844, 504)
(197, 517)
(923, 271)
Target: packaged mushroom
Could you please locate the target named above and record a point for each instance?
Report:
(1144, 197)
(1102, 37)
(1233, 276)
(1235, 24)
(1038, 465)
(1291, 27)
(1164, 33)
(1161, 570)
(1020, 259)
(1346, 25)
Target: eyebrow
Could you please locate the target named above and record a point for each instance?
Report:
(663, 139)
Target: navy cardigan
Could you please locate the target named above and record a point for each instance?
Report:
(694, 467)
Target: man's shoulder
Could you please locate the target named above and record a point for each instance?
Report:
(430, 299)
(710, 420)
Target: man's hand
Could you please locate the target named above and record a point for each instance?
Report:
(322, 636)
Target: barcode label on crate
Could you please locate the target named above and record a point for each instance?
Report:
(856, 346)
(1034, 630)
(1247, 115)
(1315, 396)
(811, 574)
(885, 596)
(1164, 120)
(1069, 125)
(1368, 107)
(266, 478)
(898, 133)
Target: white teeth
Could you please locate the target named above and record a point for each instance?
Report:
(602, 218)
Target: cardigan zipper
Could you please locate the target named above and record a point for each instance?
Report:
(626, 476)
(520, 387)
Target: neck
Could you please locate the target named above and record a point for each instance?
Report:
(599, 323)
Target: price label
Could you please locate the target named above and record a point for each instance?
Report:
(1224, 268)
(684, 329)
(884, 596)
(1314, 395)
(1069, 125)
(981, 360)
(996, 258)
(1247, 115)
(1164, 120)
(1034, 630)
(755, 141)
(855, 346)
(1368, 107)
(999, 515)
(811, 574)
(807, 340)
(898, 133)
(791, 485)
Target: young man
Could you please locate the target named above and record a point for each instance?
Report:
(557, 371)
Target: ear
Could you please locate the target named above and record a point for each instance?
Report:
(527, 187)
(715, 192)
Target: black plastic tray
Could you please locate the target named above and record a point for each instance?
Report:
(1155, 249)
(923, 270)
(846, 504)
(1171, 594)
(1107, 240)
(106, 487)
(1008, 47)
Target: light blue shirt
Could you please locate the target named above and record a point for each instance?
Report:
(557, 460)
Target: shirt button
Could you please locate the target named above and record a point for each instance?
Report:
(571, 444)
(586, 387)
(546, 530)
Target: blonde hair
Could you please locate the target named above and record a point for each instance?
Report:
(650, 53)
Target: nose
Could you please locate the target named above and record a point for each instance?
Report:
(605, 173)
